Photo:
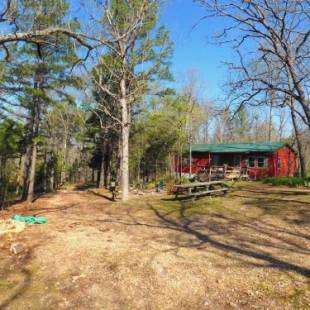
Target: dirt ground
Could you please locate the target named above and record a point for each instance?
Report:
(247, 250)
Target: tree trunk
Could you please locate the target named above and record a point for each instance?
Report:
(31, 153)
(302, 98)
(139, 171)
(45, 180)
(125, 160)
(125, 145)
(101, 173)
(301, 157)
(32, 172)
(3, 179)
(106, 169)
(63, 174)
(52, 179)
(270, 121)
(20, 175)
(124, 141)
(102, 169)
(93, 175)
(26, 171)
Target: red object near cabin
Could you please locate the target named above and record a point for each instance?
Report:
(260, 159)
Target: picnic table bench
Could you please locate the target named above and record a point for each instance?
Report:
(200, 188)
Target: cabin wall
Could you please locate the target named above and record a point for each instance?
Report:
(279, 163)
(285, 162)
(256, 173)
(199, 162)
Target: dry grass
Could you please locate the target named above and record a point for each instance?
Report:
(9, 227)
(247, 250)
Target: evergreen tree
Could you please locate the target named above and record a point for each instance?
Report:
(37, 77)
(11, 145)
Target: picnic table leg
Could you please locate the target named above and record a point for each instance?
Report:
(226, 187)
(176, 194)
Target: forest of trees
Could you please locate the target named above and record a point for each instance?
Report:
(91, 100)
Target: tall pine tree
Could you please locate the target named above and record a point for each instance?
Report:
(37, 76)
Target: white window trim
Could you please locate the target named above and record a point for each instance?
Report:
(265, 162)
(256, 162)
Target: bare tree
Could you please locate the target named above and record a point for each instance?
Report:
(135, 57)
(298, 138)
(271, 39)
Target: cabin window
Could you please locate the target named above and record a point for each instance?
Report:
(261, 162)
(279, 163)
(251, 162)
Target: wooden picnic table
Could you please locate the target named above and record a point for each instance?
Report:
(200, 188)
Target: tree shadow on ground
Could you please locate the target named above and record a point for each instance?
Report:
(270, 244)
(5, 205)
(45, 195)
(43, 211)
(101, 195)
(233, 244)
(275, 191)
(84, 187)
(192, 198)
(17, 265)
(265, 200)
(18, 290)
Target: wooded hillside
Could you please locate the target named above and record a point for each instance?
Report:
(93, 99)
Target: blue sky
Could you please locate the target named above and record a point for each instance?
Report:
(193, 50)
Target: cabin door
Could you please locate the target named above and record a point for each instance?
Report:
(215, 160)
(237, 161)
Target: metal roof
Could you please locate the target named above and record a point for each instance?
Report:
(236, 147)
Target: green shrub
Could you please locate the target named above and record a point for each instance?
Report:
(149, 185)
(182, 180)
(288, 181)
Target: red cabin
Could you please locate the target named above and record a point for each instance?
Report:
(260, 159)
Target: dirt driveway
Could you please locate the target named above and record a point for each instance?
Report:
(248, 250)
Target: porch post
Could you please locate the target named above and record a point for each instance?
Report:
(190, 158)
(209, 167)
